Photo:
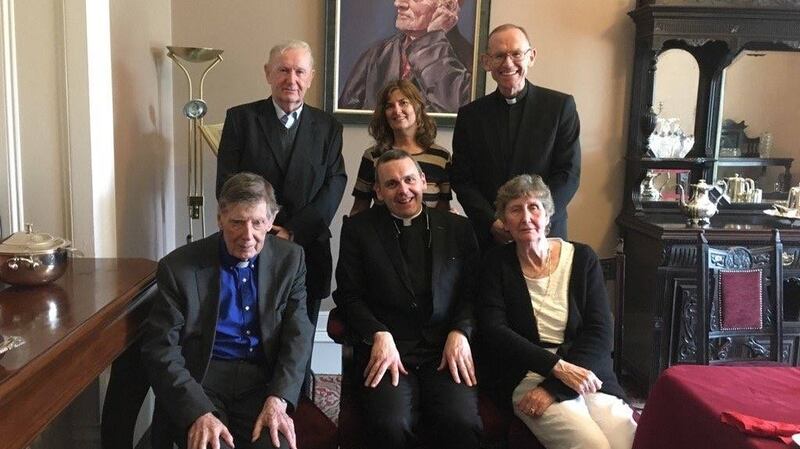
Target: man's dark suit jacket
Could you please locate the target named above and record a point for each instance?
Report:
(547, 145)
(510, 335)
(179, 333)
(374, 291)
(309, 182)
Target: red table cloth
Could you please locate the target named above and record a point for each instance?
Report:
(685, 405)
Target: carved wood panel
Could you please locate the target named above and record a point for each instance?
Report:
(687, 323)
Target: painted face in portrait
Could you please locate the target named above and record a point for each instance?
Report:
(400, 185)
(508, 59)
(244, 227)
(400, 112)
(290, 75)
(414, 16)
(526, 220)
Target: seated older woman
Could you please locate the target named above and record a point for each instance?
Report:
(546, 315)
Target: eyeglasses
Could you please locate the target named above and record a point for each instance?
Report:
(516, 56)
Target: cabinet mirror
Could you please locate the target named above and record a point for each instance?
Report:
(761, 88)
(759, 117)
(675, 88)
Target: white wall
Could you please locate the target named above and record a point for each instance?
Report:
(586, 49)
(143, 128)
(41, 76)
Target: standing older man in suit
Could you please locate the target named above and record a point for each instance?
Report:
(403, 287)
(227, 342)
(298, 149)
(518, 129)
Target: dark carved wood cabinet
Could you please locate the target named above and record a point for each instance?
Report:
(661, 289)
(661, 249)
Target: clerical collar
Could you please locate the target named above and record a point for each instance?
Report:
(228, 261)
(518, 97)
(407, 221)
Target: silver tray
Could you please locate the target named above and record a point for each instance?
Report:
(792, 215)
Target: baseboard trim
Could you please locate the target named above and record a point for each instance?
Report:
(321, 332)
(327, 357)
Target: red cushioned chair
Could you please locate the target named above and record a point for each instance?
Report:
(739, 304)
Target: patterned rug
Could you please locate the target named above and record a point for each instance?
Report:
(327, 388)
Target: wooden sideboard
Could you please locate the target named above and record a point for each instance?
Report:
(74, 328)
(661, 283)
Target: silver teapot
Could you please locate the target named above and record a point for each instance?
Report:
(793, 202)
(740, 189)
(648, 190)
(700, 208)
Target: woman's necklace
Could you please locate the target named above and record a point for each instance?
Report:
(547, 269)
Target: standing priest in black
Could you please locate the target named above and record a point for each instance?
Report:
(298, 149)
(518, 129)
(403, 285)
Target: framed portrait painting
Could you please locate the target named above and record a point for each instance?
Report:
(436, 44)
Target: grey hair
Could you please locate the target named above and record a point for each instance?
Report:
(283, 47)
(520, 186)
(247, 188)
(395, 155)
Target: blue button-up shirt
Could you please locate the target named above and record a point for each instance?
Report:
(238, 335)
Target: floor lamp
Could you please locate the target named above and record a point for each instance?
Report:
(194, 110)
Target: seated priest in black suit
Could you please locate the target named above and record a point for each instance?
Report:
(403, 286)
(228, 338)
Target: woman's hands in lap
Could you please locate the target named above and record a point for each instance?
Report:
(582, 380)
(535, 402)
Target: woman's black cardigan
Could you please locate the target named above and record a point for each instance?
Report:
(510, 344)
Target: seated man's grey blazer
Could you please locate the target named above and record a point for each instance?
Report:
(179, 333)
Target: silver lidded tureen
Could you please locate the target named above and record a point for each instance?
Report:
(33, 258)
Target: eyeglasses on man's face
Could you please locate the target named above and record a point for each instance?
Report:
(516, 56)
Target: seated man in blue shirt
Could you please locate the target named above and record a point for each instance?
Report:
(228, 338)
